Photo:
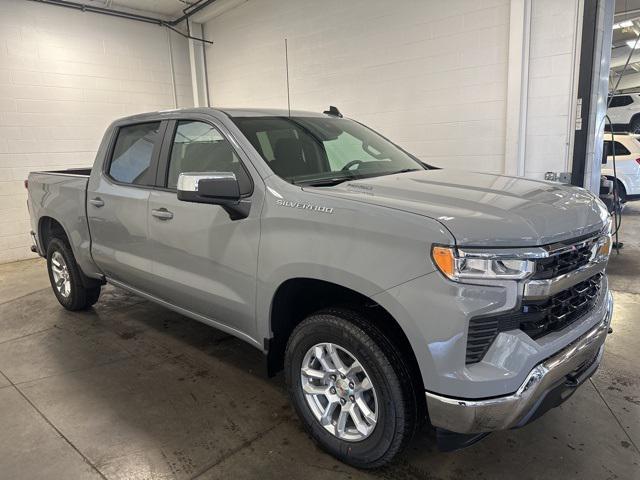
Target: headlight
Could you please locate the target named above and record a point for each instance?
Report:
(459, 265)
(601, 250)
(602, 247)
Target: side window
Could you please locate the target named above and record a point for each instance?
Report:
(621, 149)
(200, 147)
(132, 154)
(621, 101)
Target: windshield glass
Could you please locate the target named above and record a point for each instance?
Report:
(321, 150)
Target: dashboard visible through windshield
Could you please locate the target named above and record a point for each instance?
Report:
(323, 151)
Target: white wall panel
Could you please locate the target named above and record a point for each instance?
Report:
(64, 76)
(429, 75)
(554, 26)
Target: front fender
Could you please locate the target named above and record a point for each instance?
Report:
(366, 248)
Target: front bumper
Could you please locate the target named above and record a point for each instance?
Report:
(547, 385)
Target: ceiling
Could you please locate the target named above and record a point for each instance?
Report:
(625, 33)
(166, 9)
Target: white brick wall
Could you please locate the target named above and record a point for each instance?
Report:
(64, 76)
(431, 75)
(402, 67)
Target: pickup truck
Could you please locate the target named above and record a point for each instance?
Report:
(392, 293)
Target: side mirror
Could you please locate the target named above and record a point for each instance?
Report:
(216, 188)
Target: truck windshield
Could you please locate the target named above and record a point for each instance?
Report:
(323, 151)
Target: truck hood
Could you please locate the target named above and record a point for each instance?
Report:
(483, 209)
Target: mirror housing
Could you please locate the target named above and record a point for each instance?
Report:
(215, 188)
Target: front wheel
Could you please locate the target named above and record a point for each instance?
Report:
(65, 278)
(350, 388)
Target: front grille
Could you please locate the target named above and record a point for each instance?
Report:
(536, 318)
(567, 260)
(554, 313)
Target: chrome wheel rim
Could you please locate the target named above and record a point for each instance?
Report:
(339, 392)
(60, 273)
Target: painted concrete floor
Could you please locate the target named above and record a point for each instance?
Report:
(130, 390)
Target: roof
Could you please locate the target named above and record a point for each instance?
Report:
(625, 139)
(268, 112)
(231, 112)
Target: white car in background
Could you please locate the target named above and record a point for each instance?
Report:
(624, 112)
(627, 153)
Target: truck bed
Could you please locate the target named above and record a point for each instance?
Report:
(85, 172)
(60, 196)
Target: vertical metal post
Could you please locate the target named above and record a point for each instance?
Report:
(517, 87)
(286, 66)
(173, 72)
(198, 68)
(593, 85)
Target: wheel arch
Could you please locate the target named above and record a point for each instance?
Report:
(620, 180)
(634, 118)
(296, 298)
(50, 228)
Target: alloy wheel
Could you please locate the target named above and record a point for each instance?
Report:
(339, 392)
(60, 273)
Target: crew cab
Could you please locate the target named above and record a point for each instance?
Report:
(390, 291)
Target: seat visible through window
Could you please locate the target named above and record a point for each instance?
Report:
(200, 147)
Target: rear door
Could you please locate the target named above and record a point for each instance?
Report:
(117, 202)
(204, 261)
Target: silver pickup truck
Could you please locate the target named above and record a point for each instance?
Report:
(390, 291)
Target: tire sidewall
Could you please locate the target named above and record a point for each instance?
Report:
(376, 445)
(622, 191)
(57, 245)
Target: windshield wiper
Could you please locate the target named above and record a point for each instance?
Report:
(404, 170)
(330, 182)
(325, 182)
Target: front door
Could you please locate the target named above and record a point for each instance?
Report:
(204, 261)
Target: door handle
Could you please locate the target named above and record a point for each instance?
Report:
(97, 202)
(162, 214)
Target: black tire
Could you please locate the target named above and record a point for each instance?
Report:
(397, 405)
(634, 125)
(79, 297)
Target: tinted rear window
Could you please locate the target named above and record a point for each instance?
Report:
(133, 152)
(621, 101)
(620, 149)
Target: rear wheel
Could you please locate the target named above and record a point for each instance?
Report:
(622, 192)
(66, 279)
(350, 388)
(634, 125)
